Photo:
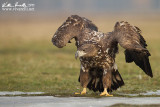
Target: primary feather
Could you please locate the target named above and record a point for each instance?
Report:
(130, 38)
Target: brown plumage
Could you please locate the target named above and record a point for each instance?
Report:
(97, 51)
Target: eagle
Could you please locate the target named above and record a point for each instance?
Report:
(97, 51)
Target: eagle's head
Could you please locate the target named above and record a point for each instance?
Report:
(68, 30)
(87, 50)
(71, 28)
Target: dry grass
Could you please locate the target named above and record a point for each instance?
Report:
(29, 61)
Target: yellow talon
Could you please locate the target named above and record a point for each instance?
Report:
(77, 93)
(83, 92)
(109, 95)
(105, 93)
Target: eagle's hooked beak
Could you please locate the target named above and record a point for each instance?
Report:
(79, 54)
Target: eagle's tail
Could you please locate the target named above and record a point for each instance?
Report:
(96, 83)
(117, 80)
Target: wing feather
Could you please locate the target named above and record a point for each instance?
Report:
(130, 38)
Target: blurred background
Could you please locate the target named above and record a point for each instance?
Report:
(91, 6)
(50, 11)
(29, 61)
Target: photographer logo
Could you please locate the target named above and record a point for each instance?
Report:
(17, 7)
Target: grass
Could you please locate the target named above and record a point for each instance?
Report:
(29, 62)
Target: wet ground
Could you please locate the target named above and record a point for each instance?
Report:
(10, 99)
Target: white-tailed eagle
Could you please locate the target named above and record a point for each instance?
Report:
(97, 51)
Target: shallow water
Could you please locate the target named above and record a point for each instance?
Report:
(49, 101)
(148, 93)
(151, 93)
(3, 93)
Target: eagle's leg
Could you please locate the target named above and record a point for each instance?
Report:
(107, 77)
(84, 80)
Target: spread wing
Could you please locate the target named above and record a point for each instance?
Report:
(70, 29)
(130, 38)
